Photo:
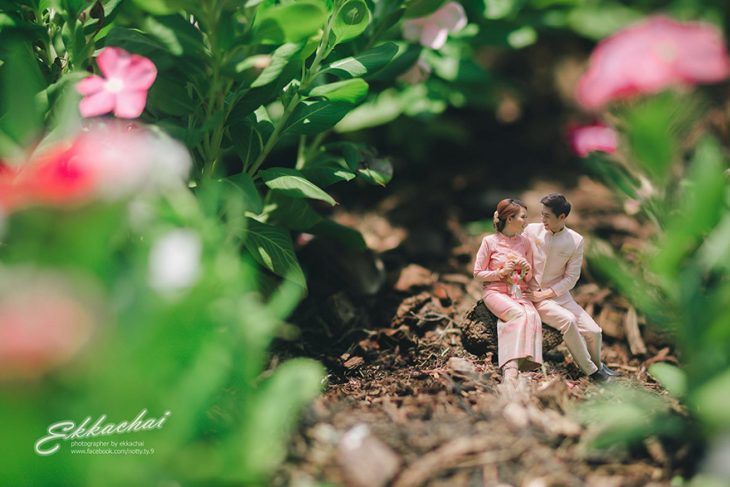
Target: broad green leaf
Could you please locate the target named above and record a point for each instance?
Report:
(401, 62)
(288, 212)
(279, 60)
(137, 42)
(366, 63)
(386, 107)
(249, 137)
(292, 22)
(163, 7)
(611, 172)
(421, 8)
(378, 172)
(710, 401)
(293, 184)
(350, 90)
(251, 99)
(328, 169)
(670, 377)
(21, 115)
(243, 183)
(312, 117)
(701, 208)
(272, 247)
(654, 128)
(168, 95)
(176, 33)
(352, 19)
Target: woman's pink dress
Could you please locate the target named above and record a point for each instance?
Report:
(519, 328)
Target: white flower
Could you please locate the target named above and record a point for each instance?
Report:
(431, 31)
(174, 261)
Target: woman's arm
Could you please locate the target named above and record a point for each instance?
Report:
(481, 266)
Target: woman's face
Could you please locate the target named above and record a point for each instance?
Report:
(516, 224)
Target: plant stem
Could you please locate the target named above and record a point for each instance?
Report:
(323, 50)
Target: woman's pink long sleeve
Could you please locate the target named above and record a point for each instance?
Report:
(481, 272)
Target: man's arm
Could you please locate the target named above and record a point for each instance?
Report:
(572, 272)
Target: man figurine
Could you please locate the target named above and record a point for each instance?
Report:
(557, 258)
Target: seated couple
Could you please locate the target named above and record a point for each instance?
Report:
(527, 273)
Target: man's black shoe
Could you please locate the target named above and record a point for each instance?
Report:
(608, 371)
(600, 377)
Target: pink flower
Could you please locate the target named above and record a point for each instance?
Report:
(107, 162)
(44, 323)
(122, 90)
(650, 56)
(431, 31)
(590, 138)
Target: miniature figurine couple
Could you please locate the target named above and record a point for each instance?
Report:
(527, 273)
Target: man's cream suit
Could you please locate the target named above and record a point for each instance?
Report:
(557, 260)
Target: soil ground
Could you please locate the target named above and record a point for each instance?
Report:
(406, 404)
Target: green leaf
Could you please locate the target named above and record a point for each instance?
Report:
(328, 169)
(421, 8)
(279, 60)
(672, 378)
(176, 34)
(137, 42)
(21, 119)
(293, 183)
(701, 208)
(163, 7)
(272, 247)
(288, 212)
(350, 90)
(366, 63)
(710, 401)
(249, 137)
(275, 411)
(254, 98)
(168, 95)
(292, 22)
(312, 117)
(378, 172)
(244, 185)
(352, 20)
(654, 128)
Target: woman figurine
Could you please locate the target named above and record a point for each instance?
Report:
(504, 266)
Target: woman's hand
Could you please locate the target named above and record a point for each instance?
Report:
(509, 266)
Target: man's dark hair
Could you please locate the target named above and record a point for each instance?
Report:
(557, 204)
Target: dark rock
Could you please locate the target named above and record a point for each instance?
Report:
(479, 332)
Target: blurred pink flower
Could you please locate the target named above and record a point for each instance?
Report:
(107, 162)
(431, 31)
(590, 138)
(122, 90)
(650, 56)
(44, 323)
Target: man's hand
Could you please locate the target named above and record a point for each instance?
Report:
(539, 295)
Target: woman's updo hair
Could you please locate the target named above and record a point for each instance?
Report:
(506, 208)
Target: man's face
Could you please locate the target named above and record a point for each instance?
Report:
(550, 221)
